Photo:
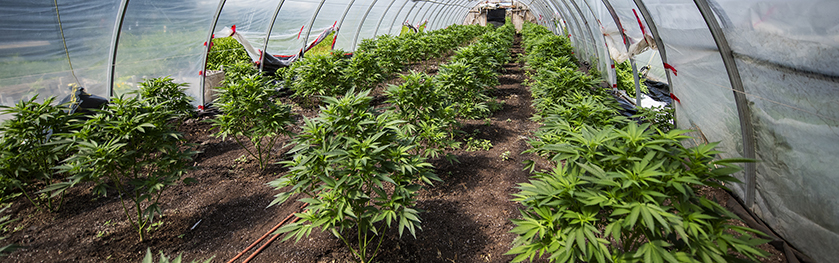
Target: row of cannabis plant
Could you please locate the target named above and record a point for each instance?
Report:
(430, 104)
(254, 119)
(620, 191)
(130, 149)
(359, 168)
(374, 61)
(470, 77)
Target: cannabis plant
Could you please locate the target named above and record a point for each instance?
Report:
(659, 117)
(480, 57)
(132, 148)
(625, 80)
(540, 45)
(551, 86)
(411, 46)
(428, 112)
(165, 91)
(318, 75)
(629, 195)
(226, 51)
(387, 54)
(363, 71)
(27, 147)
(458, 82)
(251, 117)
(356, 170)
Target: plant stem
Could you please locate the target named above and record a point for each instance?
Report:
(362, 246)
(354, 252)
(381, 238)
(27, 196)
(236, 138)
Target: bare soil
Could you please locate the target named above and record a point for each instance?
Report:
(466, 218)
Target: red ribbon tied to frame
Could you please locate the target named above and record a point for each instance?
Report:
(673, 96)
(671, 68)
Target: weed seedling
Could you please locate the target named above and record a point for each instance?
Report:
(505, 156)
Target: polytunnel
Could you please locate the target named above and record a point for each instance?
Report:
(758, 76)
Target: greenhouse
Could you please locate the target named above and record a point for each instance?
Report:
(492, 131)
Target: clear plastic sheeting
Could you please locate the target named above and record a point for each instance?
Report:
(251, 18)
(707, 104)
(601, 60)
(786, 53)
(161, 38)
(33, 59)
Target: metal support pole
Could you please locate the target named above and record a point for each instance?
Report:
(311, 23)
(553, 13)
(557, 9)
(605, 42)
(406, 16)
(417, 13)
(739, 96)
(341, 22)
(115, 41)
(585, 24)
(573, 35)
(434, 20)
(579, 30)
(549, 8)
(465, 13)
(268, 34)
(548, 15)
(376, 32)
(637, 82)
(396, 16)
(662, 51)
(437, 10)
(360, 24)
(635, 77)
(536, 9)
(453, 15)
(623, 36)
(463, 18)
(446, 18)
(423, 17)
(542, 9)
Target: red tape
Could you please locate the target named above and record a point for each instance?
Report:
(301, 32)
(670, 67)
(643, 31)
(672, 96)
(639, 22)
